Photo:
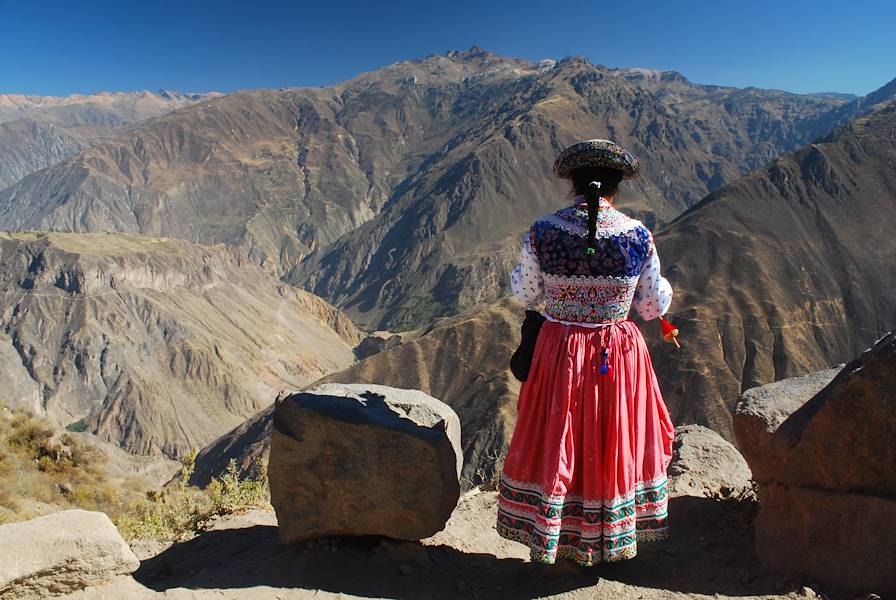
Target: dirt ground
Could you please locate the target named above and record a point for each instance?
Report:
(709, 555)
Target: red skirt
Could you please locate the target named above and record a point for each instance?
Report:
(585, 474)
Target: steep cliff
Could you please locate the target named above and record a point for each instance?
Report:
(157, 345)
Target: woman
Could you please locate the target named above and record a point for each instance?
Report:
(585, 474)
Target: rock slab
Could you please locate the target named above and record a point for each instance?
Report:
(706, 465)
(359, 459)
(761, 410)
(827, 476)
(61, 553)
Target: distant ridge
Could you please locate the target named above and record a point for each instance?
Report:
(876, 100)
(835, 96)
(39, 131)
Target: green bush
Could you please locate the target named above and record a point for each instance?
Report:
(78, 426)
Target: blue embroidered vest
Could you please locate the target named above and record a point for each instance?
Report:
(595, 288)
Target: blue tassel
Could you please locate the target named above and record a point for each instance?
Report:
(605, 361)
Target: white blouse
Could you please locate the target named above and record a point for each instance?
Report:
(654, 293)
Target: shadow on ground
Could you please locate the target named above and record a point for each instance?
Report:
(711, 551)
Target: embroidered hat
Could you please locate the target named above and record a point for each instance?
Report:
(597, 153)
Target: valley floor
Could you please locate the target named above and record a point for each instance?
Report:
(710, 555)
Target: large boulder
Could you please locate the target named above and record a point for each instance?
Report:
(361, 459)
(706, 465)
(827, 477)
(61, 553)
(761, 410)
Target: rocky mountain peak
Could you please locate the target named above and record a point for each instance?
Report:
(639, 74)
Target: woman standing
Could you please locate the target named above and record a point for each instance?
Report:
(585, 474)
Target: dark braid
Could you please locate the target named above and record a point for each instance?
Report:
(594, 182)
(592, 197)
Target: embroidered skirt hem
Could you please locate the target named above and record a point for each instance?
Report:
(585, 532)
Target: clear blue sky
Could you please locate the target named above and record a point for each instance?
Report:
(61, 47)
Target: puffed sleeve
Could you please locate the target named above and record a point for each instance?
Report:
(526, 281)
(654, 293)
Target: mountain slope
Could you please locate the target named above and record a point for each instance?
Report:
(27, 145)
(399, 194)
(462, 361)
(157, 345)
(39, 131)
(826, 122)
(789, 270)
(94, 115)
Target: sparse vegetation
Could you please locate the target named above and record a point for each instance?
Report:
(183, 510)
(43, 469)
(486, 477)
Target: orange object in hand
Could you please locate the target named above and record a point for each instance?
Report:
(670, 332)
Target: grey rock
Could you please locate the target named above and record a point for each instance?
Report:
(761, 410)
(826, 491)
(706, 465)
(359, 459)
(61, 553)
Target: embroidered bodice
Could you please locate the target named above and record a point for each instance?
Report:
(595, 289)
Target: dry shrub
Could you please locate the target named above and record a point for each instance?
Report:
(181, 511)
(26, 434)
(8, 501)
(38, 463)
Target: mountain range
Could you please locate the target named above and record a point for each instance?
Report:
(399, 195)
(789, 270)
(164, 307)
(40, 131)
(786, 271)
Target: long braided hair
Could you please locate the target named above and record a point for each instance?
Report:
(594, 182)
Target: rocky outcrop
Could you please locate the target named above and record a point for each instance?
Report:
(826, 487)
(156, 345)
(761, 410)
(61, 553)
(705, 465)
(376, 343)
(363, 460)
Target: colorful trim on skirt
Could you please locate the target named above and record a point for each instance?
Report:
(586, 531)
